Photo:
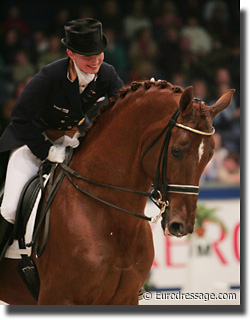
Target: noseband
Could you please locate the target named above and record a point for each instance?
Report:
(161, 187)
(161, 183)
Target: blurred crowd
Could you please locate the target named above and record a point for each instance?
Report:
(189, 42)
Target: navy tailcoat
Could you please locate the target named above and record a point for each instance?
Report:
(52, 101)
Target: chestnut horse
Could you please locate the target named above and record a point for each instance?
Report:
(97, 254)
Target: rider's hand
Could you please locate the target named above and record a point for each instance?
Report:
(57, 154)
(71, 142)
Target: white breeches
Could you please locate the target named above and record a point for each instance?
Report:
(22, 166)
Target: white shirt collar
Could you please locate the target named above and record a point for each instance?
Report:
(83, 78)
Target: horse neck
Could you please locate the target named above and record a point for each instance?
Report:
(111, 151)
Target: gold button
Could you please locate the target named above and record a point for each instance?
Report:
(69, 127)
(62, 121)
(81, 121)
(93, 92)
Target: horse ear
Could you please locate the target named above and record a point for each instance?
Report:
(222, 103)
(186, 98)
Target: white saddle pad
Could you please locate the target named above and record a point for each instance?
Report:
(13, 252)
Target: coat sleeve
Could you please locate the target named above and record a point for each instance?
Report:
(26, 114)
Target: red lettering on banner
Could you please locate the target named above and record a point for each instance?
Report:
(171, 252)
(236, 242)
(169, 245)
(216, 249)
(155, 264)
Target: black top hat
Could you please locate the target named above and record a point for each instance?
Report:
(85, 36)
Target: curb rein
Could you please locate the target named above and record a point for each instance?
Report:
(158, 195)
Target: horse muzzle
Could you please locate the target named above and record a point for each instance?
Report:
(177, 229)
(176, 226)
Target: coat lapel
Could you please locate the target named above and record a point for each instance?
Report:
(89, 92)
(79, 104)
(72, 89)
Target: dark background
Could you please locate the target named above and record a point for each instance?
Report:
(147, 39)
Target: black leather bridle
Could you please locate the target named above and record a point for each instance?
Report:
(160, 187)
(158, 195)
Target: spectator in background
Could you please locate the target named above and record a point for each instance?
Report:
(227, 123)
(5, 85)
(15, 21)
(168, 18)
(175, 59)
(23, 68)
(218, 27)
(222, 76)
(200, 40)
(41, 43)
(143, 48)
(57, 25)
(235, 63)
(169, 52)
(54, 53)
(186, 55)
(200, 89)
(213, 5)
(179, 79)
(211, 172)
(111, 16)
(136, 20)
(144, 70)
(229, 172)
(11, 45)
(9, 104)
(115, 55)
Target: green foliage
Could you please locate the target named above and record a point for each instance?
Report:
(207, 214)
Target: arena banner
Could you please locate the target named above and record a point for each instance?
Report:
(207, 262)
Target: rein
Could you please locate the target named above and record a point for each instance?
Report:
(160, 187)
(158, 195)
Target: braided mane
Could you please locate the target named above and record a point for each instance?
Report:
(161, 84)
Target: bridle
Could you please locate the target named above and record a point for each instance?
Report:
(158, 195)
(160, 187)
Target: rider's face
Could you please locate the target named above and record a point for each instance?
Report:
(87, 64)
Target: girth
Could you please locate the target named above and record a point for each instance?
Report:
(44, 214)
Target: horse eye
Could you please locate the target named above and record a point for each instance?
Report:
(176, 152)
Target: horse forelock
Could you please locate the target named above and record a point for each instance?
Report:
(201, 116)
(133, 88)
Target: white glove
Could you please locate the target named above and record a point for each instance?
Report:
(57, 154)
(70, 142)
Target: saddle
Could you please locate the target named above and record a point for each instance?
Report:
(26, 203)
(27, 268)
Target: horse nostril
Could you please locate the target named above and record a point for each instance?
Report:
(176, 228)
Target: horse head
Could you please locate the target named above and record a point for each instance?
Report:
(189, 149)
